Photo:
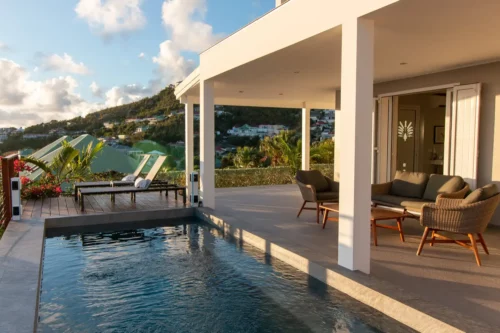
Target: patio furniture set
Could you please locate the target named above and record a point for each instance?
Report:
(132, 184)
(440, 202)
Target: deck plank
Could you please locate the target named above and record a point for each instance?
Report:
(98, 204)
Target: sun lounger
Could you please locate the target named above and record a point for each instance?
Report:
(115, 183)
(152, 187)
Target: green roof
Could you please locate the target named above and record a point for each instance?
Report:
(50, 147)
(108, 159)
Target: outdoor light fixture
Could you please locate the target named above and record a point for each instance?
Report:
(15, 185)
(193, 187)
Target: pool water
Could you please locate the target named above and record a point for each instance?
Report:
(186, 278)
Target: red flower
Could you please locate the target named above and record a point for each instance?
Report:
(25, 180)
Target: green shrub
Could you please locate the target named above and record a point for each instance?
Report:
(248, 177)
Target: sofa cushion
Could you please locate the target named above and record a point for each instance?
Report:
(397, 201)
(409, 184)
(314, 178)
(438, 184)
(481, 194)
(414, 205)
(327, 196)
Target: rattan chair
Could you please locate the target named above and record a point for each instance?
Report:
(316, 188)
(469, 216)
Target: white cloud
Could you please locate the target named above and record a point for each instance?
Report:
(173, 66)
(188, 33)
(96, 90)
(126, 94)
(141, 55)
(109, 17)
(24, 101)
(64, 63)
(4, 47)
(184, 21)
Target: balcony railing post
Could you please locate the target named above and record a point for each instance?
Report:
(7, 173)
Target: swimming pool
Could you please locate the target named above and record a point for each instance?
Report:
(186, 278)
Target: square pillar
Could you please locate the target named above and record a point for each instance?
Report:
(355, 155)
(207, 144)
(337, 140)
(306, 137)
(188, 141)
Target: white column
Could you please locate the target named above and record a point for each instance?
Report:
(355, 156)
(207, 144)
(188, 141)
(306, 137)
(338, 144)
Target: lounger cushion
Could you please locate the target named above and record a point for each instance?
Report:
(141, 183)
(314, 178)
(442, 184)
(128, 178)
(414, 204)
(327, 196)
(409, 184)
(481, 194)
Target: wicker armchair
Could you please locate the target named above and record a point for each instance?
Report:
(316, 188)
(469, 216)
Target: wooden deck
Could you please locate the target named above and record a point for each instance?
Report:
(67, 206)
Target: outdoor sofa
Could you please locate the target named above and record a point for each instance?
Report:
(316, 188)
(412, 190)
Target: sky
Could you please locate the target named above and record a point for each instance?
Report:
(65, 58)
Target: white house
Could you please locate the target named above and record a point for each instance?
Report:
(380, 64)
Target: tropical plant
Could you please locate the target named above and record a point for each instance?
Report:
(247, 157)
(291, 154)
(323, 152)
(70, 163)
(283, 149)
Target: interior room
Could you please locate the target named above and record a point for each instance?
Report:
(420, 132)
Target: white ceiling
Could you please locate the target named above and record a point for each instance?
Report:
(428, 35)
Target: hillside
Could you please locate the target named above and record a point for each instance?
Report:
(160, 104)
(164, 103)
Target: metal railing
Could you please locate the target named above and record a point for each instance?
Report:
(6, 173)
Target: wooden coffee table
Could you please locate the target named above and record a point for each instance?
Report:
(377, 214)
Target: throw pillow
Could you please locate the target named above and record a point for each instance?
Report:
(128, 178)
(138, 182)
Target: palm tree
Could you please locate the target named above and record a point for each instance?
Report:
(246, 157)
(70, 163)
(291, 153)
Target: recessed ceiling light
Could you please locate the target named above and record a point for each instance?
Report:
(296, 72)
(281, 94)
(241, 91)
(403, 63)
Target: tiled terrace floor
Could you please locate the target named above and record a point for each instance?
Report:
(67, 206)
(445, 274)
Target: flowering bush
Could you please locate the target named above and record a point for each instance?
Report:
(20, 165)
(46, 187)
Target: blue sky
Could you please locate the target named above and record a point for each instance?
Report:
(51, 51)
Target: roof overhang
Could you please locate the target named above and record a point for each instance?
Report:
(288, 58)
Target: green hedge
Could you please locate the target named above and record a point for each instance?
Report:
(248, 177)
